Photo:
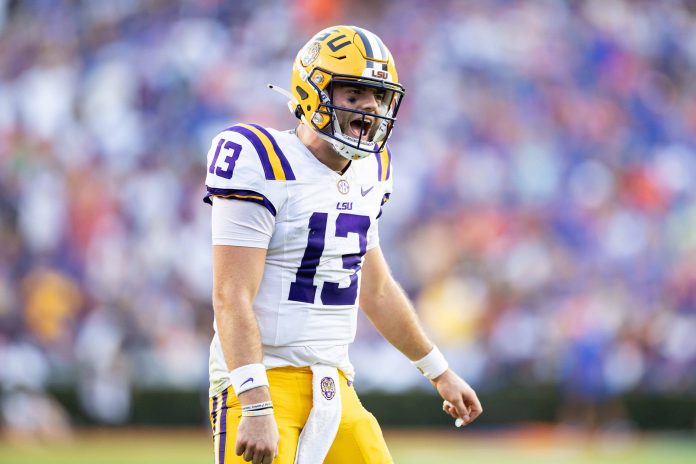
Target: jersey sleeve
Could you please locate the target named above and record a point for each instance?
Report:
(384, 177)
(241, 223)
(384, 174)
(245, 163)
(373, 236)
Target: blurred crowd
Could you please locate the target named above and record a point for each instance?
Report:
(543, 219)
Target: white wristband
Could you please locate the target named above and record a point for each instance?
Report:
(258, 406)
(260, 412)
(247, 377)
(433, 364)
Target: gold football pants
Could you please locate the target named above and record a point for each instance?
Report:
(358, 440)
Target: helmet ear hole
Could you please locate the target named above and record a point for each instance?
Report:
(301, 92)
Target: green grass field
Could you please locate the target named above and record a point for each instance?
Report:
(527, 446)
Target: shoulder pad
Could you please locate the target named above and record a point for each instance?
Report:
(244, 161)
(273, 161)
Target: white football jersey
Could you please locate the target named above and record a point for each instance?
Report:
(307, 303)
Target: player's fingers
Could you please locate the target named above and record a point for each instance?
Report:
(462, 415)
(262, 454)
(475, 413)
(240, 448)
(248, 454)
(461, 410)
(468, 419)
(475, 407)
(449, 409)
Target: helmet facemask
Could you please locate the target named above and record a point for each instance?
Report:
(355, 133)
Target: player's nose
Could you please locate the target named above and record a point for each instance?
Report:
(368, 102)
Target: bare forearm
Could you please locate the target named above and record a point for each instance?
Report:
(236, 276)
(241, 343)
(238, 332)
(390, 310)
(392, 314)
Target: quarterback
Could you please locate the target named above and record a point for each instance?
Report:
(295, 218)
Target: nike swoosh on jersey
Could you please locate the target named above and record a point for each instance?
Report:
(250, 379)
(364, 192)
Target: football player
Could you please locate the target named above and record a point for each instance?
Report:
(295, 218)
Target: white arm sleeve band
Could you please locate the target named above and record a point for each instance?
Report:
(241, 223)
(373, 235)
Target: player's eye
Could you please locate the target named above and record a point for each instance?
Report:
(352, 94)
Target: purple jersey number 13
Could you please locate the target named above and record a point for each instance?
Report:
(303, 289)
(229, 160)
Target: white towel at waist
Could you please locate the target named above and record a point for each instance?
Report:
(320, 430)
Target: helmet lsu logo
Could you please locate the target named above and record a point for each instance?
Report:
(377, 74)
(328, 388)
(311, 53)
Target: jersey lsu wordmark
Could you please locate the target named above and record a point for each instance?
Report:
(324, 224)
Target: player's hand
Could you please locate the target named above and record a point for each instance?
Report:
(257, 439)
(461, 401)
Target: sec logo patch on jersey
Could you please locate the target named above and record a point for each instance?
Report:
(343, 186)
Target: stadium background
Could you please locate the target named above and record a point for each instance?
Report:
(543, 219)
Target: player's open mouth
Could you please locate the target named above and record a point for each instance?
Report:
(360, 127)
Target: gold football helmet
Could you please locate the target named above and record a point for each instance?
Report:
(351, 56)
